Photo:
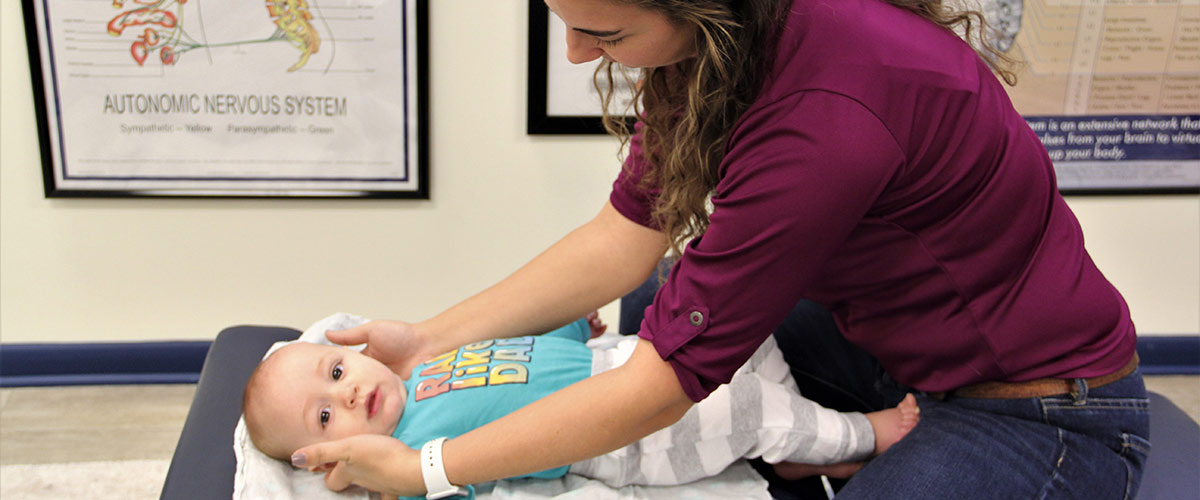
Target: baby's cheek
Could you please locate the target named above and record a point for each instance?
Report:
(347, 431)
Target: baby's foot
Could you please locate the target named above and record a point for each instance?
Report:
(890, 426)
(893, 424)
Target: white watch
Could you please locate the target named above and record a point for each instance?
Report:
(433, 471)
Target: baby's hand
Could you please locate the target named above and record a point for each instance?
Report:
(596, 324)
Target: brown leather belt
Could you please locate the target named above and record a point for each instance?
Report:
(1035, 388)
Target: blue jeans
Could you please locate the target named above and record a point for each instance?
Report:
(1091, 445)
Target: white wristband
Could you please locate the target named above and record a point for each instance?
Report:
(433, 471)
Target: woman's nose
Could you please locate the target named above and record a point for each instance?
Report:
(581, 48)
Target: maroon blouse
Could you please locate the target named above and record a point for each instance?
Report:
(884, 173)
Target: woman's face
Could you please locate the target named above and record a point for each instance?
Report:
(622, 33)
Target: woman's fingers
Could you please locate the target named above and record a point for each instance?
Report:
(330, 457)
(338, 479)
(373, 461)
(394, 343)
(314, 457)
(350, 336)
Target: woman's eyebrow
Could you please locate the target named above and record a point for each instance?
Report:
(597, 33)
(587, 31)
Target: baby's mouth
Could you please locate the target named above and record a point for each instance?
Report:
(373, 403)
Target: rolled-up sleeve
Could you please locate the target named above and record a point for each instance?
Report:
(629, 196)
(799, 176)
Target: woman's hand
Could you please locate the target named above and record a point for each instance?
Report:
(378, 463)
(394, 343)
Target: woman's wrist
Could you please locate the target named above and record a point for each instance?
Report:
(434, 338)
(433, 472)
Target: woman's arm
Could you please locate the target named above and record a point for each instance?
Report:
(600, 261)
(592, 417)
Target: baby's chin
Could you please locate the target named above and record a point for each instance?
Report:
(401, 399)
(389, 428)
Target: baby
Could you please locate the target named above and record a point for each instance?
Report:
(306, 393)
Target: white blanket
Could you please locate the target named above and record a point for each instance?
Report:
(259, 477)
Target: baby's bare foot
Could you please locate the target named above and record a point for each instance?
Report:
(893, 424)
(890, 426)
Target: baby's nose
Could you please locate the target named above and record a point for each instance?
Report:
(351, 395)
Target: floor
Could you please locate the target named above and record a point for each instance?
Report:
(40, 425)
(143, 422)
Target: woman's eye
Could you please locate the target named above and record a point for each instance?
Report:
(337, 371)
(324, 417)
(610, 43)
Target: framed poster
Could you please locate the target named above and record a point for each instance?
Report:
(1112, 88)
(221, 98)
(562, 96)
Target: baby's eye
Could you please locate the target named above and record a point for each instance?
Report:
(337, 371)
(324, 417)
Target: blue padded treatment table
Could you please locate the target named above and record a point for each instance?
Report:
(203, 464)
(1173, 469)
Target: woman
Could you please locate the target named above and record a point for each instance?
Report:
(854, 152)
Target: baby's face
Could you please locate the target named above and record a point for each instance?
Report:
(321, 393)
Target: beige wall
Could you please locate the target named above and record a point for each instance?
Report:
(143, 269)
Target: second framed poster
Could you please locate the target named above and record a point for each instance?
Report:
(562, 96)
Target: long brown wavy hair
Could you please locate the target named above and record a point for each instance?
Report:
(688, 110)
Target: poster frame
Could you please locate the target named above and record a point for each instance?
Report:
(414, 129)
(541, 83)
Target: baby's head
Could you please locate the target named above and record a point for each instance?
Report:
(306, 393)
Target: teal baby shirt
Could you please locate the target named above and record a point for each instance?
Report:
(478, 383)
